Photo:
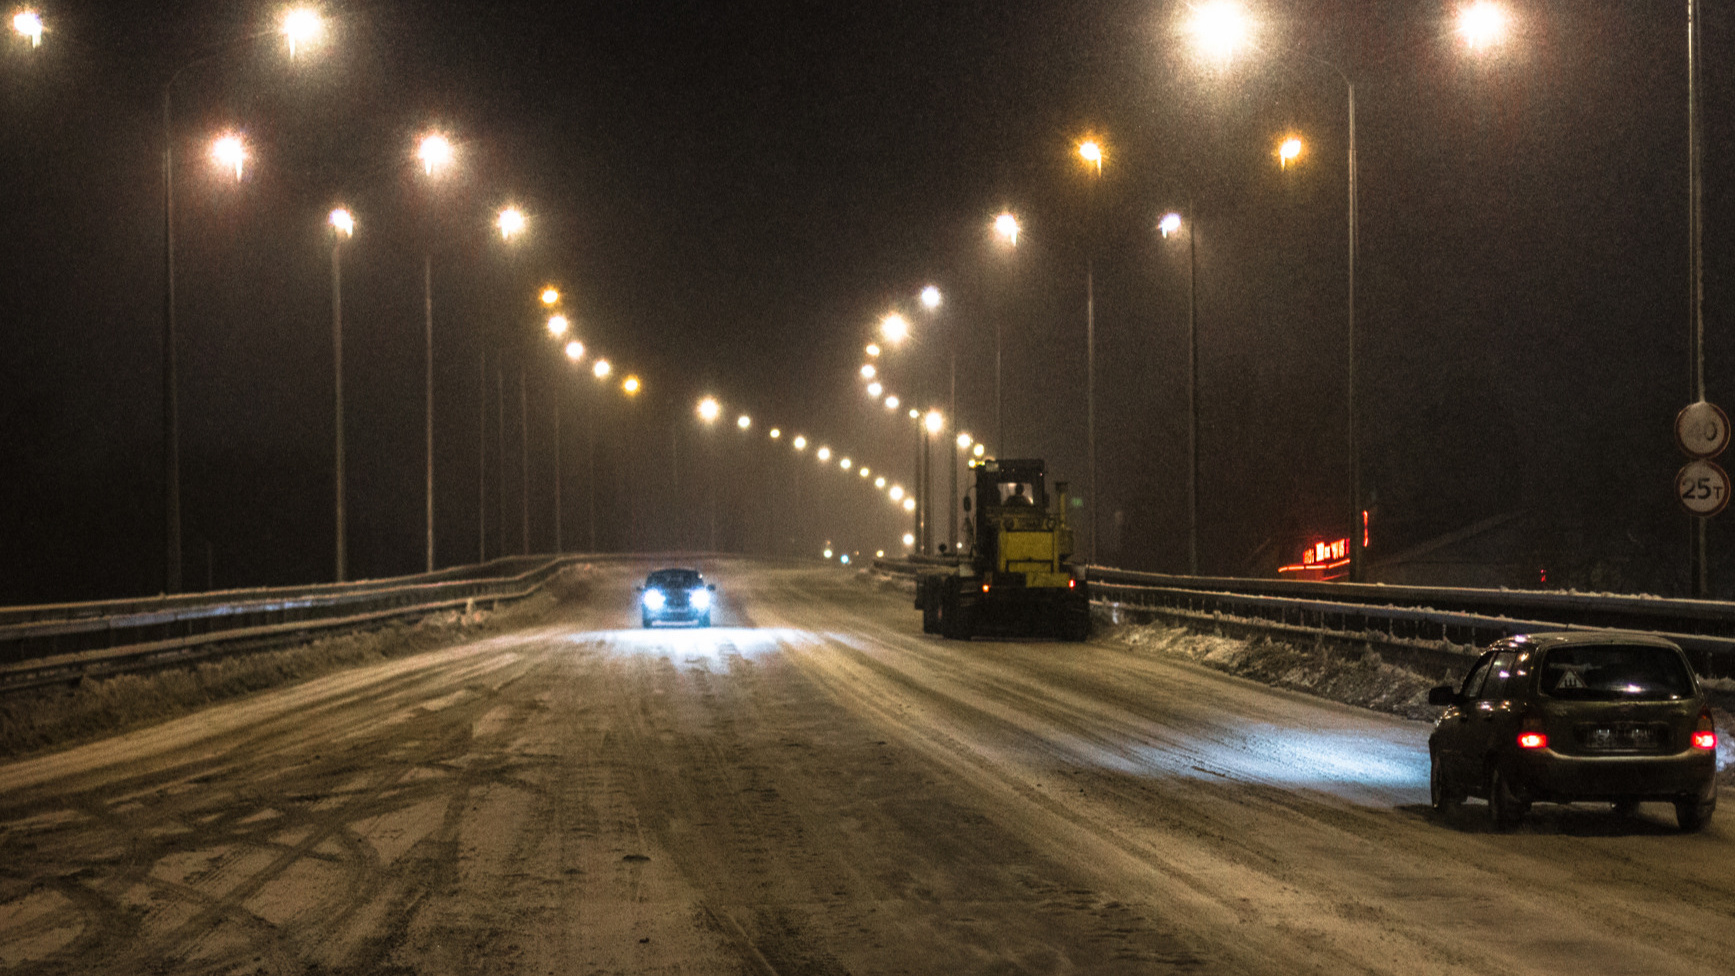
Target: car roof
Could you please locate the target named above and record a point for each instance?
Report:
(1562, 638)
(675, 571)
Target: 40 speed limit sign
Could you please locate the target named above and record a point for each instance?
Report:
(1703, 488)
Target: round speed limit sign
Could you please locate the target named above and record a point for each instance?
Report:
(1702, 430)
(1703, 488)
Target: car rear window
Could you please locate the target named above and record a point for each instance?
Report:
(676, 578)
(1615, 672)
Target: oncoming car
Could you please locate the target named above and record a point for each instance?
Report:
(1580, 716)
(676, 595)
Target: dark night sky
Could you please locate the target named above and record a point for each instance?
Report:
(733, 194)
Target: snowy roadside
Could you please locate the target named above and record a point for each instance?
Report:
(1365, 681)
(58, 716)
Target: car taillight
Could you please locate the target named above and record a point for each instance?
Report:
(1705, 736)
(984, 587)
(1072, 584)
(1530, 734)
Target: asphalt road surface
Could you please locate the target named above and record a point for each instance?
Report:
(813, 786)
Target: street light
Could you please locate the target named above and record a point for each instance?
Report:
(550, 295)
(709, 409)
(436, 154)
(601, 369)
(1288, 151)
(558, 324)
(511, 222)
(1482, 25)
(1170, 225)
(1220, 29)
(743, 422)
(229, 152)
(631, 386)
(343, 228)
(302, 26)
(575, 350)
(1091, 152)
(28, 23)
(895, 328)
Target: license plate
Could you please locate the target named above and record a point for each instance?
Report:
(1613, 737)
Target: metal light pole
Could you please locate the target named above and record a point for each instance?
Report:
(1171, 223)
(428, 393)
(1006, 226)
(1091, 152)
(1701, 568)
(343, 226)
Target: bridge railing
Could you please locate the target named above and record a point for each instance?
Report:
(41, 642)
(1450, 619)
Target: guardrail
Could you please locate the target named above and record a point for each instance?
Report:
(1432, 626)
(44, 644)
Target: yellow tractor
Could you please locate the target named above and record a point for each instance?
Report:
(1013, 579)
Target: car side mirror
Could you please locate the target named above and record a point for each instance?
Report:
(1443, 695)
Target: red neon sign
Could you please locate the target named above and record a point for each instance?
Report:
(1321, 556)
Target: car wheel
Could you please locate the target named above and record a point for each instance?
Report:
(1440, 793)
(1504, 806)
(1692, 813)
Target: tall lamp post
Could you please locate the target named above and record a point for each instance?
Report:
(435, 152)
(1006, 227)
(299, 26)
(1091, 152)
(342, 228)
(1169, 225)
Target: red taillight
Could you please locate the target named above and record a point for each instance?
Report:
(1072, 584)
(1705, 736)
(984, 587)
(1530, 734)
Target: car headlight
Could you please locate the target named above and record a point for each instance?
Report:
(700, 599)
(654, 599)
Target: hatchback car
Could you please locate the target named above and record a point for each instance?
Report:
(676, 596)
(1579, 716)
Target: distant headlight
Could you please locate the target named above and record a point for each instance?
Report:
(654, 599)
(700, 599)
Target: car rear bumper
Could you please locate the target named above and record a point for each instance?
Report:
(1560, 778)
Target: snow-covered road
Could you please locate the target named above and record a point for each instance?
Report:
(812, 786)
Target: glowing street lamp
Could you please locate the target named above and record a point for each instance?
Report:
(1220, 29)
(895, 328)
(776, 433)
(909, 540)
(435, 151)
(891, 403)
(602, 368)
(910, 503)
(873, 350)
(880, 482)
(631, 386)
(1170, 224)
(934, 421)
(868, 371)
(1006, 226)
(824, 454)
(896, 492)
(743, 422)
(230, 152)
(574, 351)
(874, 389)
(964, 442)
(511, 222)
(1288, 151)
(1482, 25)
(1091, 152)
(550, 295)
(709, 409)
(28, 23)
(930, 298)
(558, 324)
(800, 443)
(302, 25)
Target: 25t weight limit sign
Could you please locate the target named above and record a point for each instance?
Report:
(1703, 488)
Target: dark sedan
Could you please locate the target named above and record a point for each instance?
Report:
(1580, 716)
(676, 596)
